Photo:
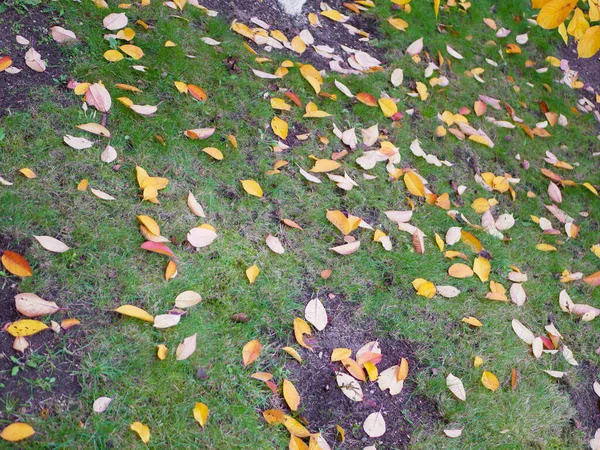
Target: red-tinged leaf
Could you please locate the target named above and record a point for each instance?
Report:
(547, 342)
(293, 97)
(5, 63)
(514, 378)
(593, 279)
(367, 99)
(157, 247)
(272, 386)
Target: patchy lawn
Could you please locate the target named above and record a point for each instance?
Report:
(369, 295)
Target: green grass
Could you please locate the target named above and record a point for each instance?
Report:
(107, 268)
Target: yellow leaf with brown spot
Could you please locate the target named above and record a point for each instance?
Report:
(25, 327)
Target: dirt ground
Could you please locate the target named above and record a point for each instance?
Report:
(585, 400)
(331, 33)
(44, 388)
(15, 89)
(324, 405)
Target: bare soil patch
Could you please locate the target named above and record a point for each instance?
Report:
(34, 25)
(46, 370)
(331, 33)
(585, 400)
(323, 403)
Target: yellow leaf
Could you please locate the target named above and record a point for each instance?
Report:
(482, 267)
(477, 362)
(169, 44)
(372, 371)
(402, 371)
(472, 321)
(555, 12)
(252, 272)
(127, 34)
(589, 44)
(340, 432)
(298, 45)
(388, 106)
(214, 152)
(28, 173)
(546, 247)
(470, 240)
(201, 413)
(578, 25)
(345, 224)
(489, 380)
(142, 430)
(340, 353)
(591, 188)
(181, 86)
(161, 351)
(291, 396)
(293, 353)
(26, 327)
(300, 329)
(480, 140)
(440, 242)
(150, 224)
(279, 103)
(16, 432)
(232, 141)
(414, 184)
(422, 91)
(134, 311)
(82, 185)
(252, 187)
(460, 270)
(171, 270)
(313, 76)
(436, 7)
(113, 55)
(481, 205)
(132, 50)
(324, 165)
(333, 15)
(294, 427)
(427, 290)
(279, 127)
(398, 23)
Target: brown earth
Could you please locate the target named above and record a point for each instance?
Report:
(324, 405)
(585, 400)
(588, 68)
(16, 89)
(331, 33)
(46, 377)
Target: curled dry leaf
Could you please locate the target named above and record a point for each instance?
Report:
(523, 332)
(388, 379)
(109, 154)
(62, 35)
(346, 249)
(34, 60)
(52, 244)
(374, 425)
(275, 244)
(201, 237)
(166, 320)
(194, 206)
(20, 344)
(350, 386)
(30, 305)
(187, 299)
(456, 387)
(186, 348)
(101, 404)
(316, 314)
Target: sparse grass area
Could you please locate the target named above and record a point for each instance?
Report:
(107, 268)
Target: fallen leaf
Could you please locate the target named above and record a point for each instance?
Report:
(251, 351)
(30, 305)
(374, 425)
(456, 387)
(316, 314)
(489, 380)
(17, 431)
(186, 348)
(142, 430)
(16, 264)
(291, 396)
(25, 327)
(101, 404)
(200, 413)
(134, 311)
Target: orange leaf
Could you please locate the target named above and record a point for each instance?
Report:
(16, 264)
(196, 92)
(251, 351)
(367, 99)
